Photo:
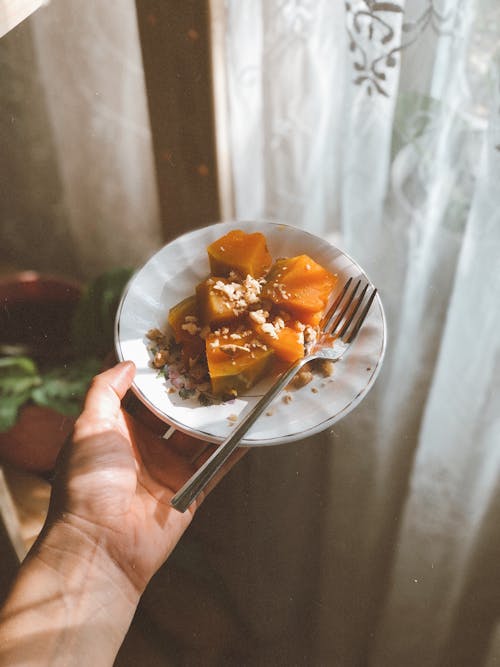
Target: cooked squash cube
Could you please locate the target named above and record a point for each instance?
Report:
(245, 254)
(214, 305)
(184, 321)
(237, 359)
(300, 286)
(287, 342)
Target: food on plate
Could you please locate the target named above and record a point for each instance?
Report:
(248, 318)
(285, 339)
(301, 287)
(222, 300)
(236, 359)
(242, 253)
(183, 319)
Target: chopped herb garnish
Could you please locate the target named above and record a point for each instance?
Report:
(205, 399)
(185, 393)
(173, 347)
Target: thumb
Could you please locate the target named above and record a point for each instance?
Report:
(103, 400)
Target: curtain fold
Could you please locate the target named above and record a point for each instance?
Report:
(448, 546)
(79, 139)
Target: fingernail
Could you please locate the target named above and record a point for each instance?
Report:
(128, 366)
(125, 370)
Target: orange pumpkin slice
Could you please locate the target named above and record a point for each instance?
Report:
(183, 319)
(300, 286)
(287, 342)
(214, 306)
(245, 254)
(237, 359)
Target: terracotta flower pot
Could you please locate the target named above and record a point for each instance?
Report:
(34, 441)
(35, 317)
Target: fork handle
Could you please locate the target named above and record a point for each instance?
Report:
(195, 485)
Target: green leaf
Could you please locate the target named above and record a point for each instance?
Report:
(11, 386)
(9, 408)
(94, 319)
(17, 366)
(64, 388)
(18, 377)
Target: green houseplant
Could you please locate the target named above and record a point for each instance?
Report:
(55, 338)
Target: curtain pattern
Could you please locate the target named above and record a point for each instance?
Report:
(376, 125)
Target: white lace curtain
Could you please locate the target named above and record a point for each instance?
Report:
(376, 125)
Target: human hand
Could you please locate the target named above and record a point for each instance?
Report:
(110, 527)
(115, 478)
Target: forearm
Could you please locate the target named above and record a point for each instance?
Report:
(70, 604)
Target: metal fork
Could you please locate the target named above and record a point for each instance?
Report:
(341, 325)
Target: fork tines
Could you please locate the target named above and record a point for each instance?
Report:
(341, 320)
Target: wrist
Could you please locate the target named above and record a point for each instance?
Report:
(70, 605)
(79, 554)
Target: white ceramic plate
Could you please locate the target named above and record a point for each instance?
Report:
(172, 274)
